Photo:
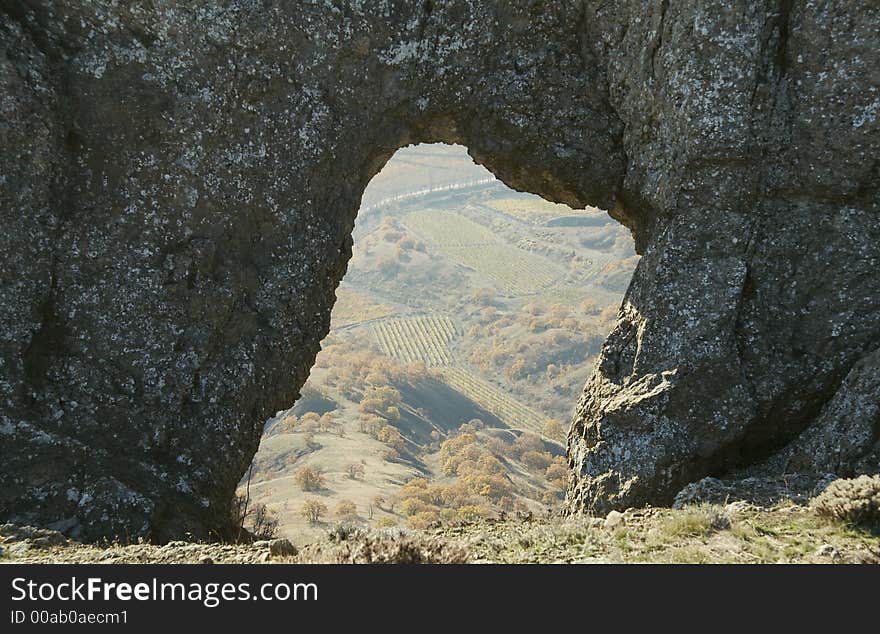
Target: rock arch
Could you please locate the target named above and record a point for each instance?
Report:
(181, 186)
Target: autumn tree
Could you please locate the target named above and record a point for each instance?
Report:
(355, 471)
(391, 437)
(383, 401)
(346, 510)
(498, 446)
(309, 422)
(309, 478)
(312, 510)
(283, 425)
(326, 423)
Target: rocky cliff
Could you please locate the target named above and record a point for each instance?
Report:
(179, 183)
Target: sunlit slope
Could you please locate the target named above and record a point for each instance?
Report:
(516, 272)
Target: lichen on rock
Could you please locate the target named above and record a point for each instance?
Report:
(178, 188)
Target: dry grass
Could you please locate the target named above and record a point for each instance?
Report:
(699, 534)
(704, 534)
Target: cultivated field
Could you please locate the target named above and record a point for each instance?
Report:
(472, 245)
(425, 338)
(352, 307)
(501, 404)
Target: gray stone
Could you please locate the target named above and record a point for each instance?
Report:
(179, 188)
(614, 519)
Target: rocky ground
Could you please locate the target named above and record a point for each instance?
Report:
(734, 533)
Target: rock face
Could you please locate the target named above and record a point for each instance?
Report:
(752, 132)
(179, 184)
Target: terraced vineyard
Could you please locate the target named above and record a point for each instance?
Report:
(472, 245)
(504, 406)
(425, 338)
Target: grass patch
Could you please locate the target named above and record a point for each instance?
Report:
(696, 521)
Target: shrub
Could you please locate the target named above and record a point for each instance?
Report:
(854, 501)
(386, 522)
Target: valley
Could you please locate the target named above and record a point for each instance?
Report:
(465, 328)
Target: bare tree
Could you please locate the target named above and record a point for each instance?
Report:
(355, 471)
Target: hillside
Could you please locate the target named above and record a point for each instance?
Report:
(463, 331)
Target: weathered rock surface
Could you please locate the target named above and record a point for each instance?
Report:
(751, 132)
(178, 187)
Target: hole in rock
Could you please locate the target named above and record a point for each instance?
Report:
(467, 324)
